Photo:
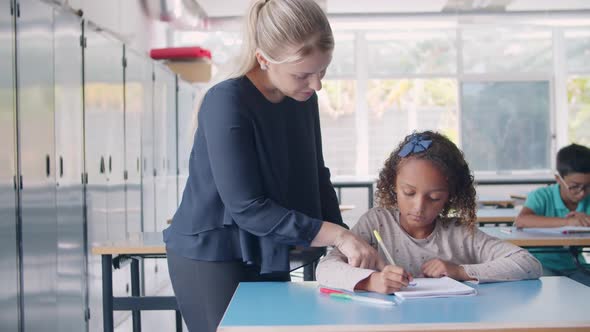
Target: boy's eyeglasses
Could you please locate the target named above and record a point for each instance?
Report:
(577, 189)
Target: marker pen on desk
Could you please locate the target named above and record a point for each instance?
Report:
(576, 231)
(362, 299)
(387, 254)
(335, 293)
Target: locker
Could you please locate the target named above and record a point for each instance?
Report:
(36, 152)
(9, 271)
(138, 100)
(147, 153)
(69, 166)
(164, 95)
(186, 121)
(165, 183)
(104, 141)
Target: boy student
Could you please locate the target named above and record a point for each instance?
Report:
(566, 203)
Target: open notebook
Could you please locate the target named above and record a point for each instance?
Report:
(435, 287)
(559, 230)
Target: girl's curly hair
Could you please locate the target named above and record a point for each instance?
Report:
(450, 160)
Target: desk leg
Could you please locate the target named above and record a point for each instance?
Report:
(107, 293)
(178, 321)
(309, 271)
(371, 195)
(136, 314)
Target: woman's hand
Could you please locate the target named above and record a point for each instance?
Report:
(437, 268)
(391, 279)
(358, 252)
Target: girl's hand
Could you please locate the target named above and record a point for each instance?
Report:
(437, 268)
(391, 279)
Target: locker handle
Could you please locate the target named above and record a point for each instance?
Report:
(101, 165)
(47, 165)
(61, 167)
(110, 165)
(137, 164)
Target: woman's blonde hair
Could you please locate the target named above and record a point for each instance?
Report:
(273, 27)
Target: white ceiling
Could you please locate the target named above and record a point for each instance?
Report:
(231, 8)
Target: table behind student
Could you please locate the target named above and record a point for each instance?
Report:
(526, 239)
(137, 246)
(548, 304)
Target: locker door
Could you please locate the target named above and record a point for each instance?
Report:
(138, 80)
(9, 315)
(69, 165)
(96, 96)
(37, 150)
(187, 113)
(163, 99)
(172, 147)
(115, 141)
(165, 195)
(104, 140)
(147, 152)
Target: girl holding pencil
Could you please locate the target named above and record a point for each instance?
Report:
(426, 223)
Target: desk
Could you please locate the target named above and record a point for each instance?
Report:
(354, 182)
(496, 216)
(526, 239)
(520, 197)
(138, 246)
(505, 202)
(343, 207)
(134, 247)
(547, 304)
(509, 180)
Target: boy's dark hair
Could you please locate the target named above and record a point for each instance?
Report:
(573, 158)
(450, 160)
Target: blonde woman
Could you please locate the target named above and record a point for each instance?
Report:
(257, 180)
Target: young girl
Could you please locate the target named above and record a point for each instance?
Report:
(427, 222)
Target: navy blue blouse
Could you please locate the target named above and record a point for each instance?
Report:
(257, 181)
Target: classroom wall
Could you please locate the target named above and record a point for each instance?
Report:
(127, 19)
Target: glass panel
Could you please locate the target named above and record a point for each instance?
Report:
(577, 45)
(499, 49)
(578, 95)
(343, 57)
(506, 125)
(337, 103)
(398, 107)
(395, 53)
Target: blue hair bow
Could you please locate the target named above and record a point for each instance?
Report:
(416, 144)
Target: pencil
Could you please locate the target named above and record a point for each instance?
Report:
(387, 254)
(382, 245)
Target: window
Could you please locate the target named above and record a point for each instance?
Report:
(506, 125)
(337, 102)
(578, 96)
(423, 52)
(506, 50)
(398, 107)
